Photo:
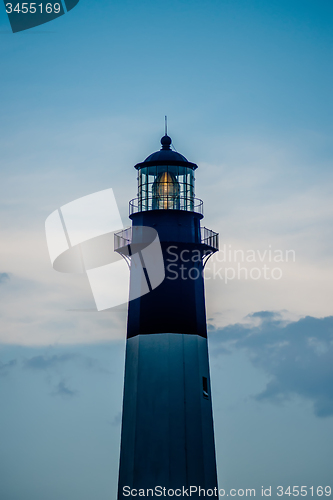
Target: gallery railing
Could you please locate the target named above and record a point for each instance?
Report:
(124, 238)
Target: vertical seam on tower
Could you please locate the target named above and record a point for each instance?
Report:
(136, 408)
(169, 402)
(185, 429)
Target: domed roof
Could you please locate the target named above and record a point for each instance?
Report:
(166, 156)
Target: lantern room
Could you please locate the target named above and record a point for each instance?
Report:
(166, 182)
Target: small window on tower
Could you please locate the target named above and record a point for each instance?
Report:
(205, 387)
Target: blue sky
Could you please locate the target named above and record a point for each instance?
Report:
(247, 88)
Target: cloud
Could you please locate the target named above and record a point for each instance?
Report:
(5, 367)
(56, 368)
(47, 362)
(4, 277)
(53, 366)
(45, 311)
(42, 362)
(63, 390)
(297, 356)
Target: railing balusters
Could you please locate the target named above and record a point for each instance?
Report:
(209, 237)
(124, 237)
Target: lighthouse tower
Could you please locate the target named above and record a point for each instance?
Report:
(167, 437)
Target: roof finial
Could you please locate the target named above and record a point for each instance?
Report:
(166, 140)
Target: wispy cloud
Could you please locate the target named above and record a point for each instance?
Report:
(63, 390)
(4, 277)
(5, 367)
(43, 362)
(297, 356)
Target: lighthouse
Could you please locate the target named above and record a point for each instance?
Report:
(167, 436)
